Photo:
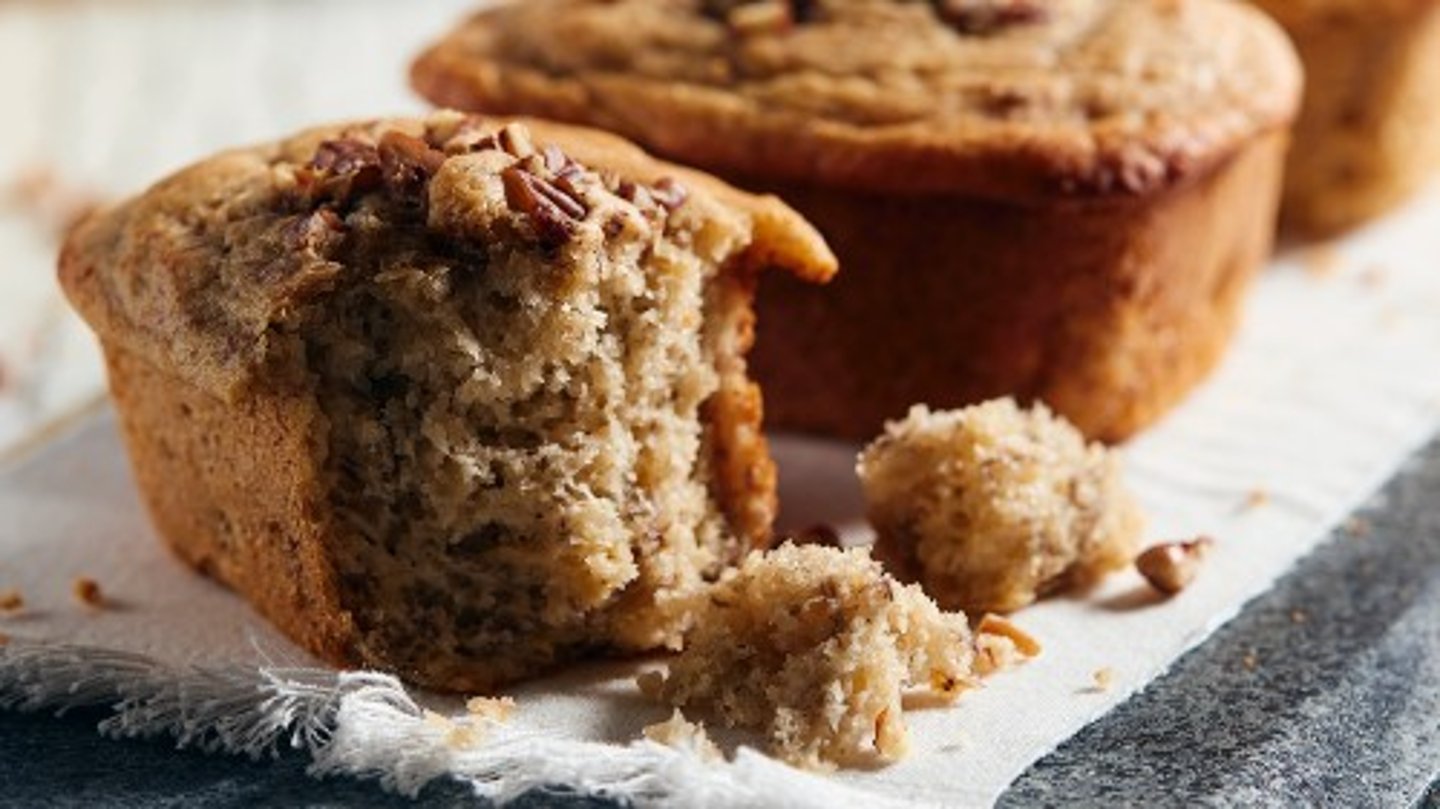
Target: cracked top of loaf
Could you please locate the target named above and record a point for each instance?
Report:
(205, 271)
(1009, 98)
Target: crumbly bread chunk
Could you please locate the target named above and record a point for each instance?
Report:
(815, 647)
(454, 397)
(992, 506)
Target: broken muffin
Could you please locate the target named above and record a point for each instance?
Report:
(815, 646)
(458, 398)
(993, 506)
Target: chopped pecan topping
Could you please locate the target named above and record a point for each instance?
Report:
(341, 170)
(989, 16)
(669, 193)
(407, 163)
(553, 213)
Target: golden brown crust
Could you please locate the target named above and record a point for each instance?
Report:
(1111, 314)
(1094, 97)
(1368, 135)
(233, 489)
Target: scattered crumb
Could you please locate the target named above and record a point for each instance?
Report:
(1103, 679)
(11, 601)
(1256, 498)
(818, 534)
(993, 624)
(1358, 527)
(1373, 276)
(1171, 567)
(1298, 616)
(1320, 261)
(458, 735)
(995, 653)
(87, 592)
(1250, 661)
(495, 709)
(682, 734)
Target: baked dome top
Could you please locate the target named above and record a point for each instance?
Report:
(1002, 97)
(204, 270)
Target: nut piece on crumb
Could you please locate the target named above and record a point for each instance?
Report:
(87, 592)
(682, 734)
(495, 709)
(1102, 679)
(992, 506)
(1170, 567)
(1000, 644)
(815, 646)
(11, 601)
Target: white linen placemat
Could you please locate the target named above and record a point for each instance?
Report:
(1331, 386)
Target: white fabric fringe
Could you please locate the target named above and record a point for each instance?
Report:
(365, 725)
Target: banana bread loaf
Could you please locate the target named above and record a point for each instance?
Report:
(1368, 135)
(1054, 199)
(454, 398)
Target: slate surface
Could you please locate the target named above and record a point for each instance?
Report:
(1325, 692)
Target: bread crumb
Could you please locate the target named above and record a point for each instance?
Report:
(1298, 616)
(495, 709)
(1170, 567)
(1358, 527)
(87, 591)
(816, 647)
(1256, 498)
(11, 601)
(992, 624)
(682, 734)
(995, 653)
(456, 735)
(1320, 261)
(1250, 661)
(993, 506)
(1103, 678)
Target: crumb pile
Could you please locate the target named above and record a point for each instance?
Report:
(992, 506)
(815, 646)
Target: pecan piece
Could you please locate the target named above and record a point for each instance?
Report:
(669, 193)
(341, 170)
(553, 213)
(1172, 566)
(407, 163)
(979, 17)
